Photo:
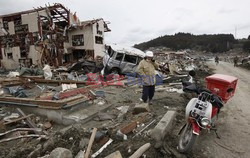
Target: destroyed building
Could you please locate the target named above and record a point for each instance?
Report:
(49, 35)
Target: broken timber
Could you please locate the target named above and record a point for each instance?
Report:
(140, 151)
(66, 99)
(28, 120)
(91, 140)
(19, 137)
(58, 82)
(18, 119)
(21, 129)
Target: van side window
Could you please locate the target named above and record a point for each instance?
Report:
(130, 59)
(119, 56)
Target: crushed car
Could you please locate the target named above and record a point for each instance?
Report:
(121, 59)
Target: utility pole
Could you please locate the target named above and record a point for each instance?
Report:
(235, 33)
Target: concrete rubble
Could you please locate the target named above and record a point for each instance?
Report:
(51, 101)
(41, 108)
(140, 108)
(164, 126)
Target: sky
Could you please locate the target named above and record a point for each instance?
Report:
(136, 21)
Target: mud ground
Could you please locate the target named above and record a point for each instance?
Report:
(233, 123)
(70, 137)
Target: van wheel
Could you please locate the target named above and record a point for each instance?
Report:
(115, 71)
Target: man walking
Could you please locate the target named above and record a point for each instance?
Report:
(146, 70)
(236, 61)
(217, 60)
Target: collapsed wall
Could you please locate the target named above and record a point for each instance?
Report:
(48, 35)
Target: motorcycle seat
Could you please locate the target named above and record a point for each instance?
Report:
(217, 102)
(190, 88)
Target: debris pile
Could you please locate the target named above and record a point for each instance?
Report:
(108, 119)
(64, 100)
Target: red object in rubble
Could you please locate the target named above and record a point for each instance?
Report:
(219, 84)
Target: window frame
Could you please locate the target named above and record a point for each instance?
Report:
(11, 55)
(135, 57)
(96, 39)
(74, 37)
(122, 56)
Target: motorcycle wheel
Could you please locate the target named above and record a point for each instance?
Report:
(187, 139)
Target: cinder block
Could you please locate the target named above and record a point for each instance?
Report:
(164, 126)
(140, 108)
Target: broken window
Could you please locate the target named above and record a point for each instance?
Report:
(5, 25)
(23, 53)
(77, 40)
(66, 58)
(21, 28)
(78, 54)
(119, 56)
(99, 32)
(97, 28)
(130, 59)
(25, 62)
(98, 40)
(35, 37)
(9, 55)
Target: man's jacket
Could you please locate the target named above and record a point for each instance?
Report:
(147, 72)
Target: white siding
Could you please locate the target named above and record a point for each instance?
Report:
(89, 33)
(34, 55)
(32, 20)
(1, 25)
(11, 63)
(66, 46)
(99, 48)
(88, 38)
(11, 28)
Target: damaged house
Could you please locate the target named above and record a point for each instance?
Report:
(49, 35)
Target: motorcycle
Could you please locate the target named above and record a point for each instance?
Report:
(201, 114)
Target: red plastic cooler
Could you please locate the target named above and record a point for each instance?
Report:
(219, 84)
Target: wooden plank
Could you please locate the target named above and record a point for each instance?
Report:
(19, 137)
(91, 140)
(28, 120)
(21, 129)
(140, 151)
(75, 102)
(18, 119)
(44, 103)
(49, 104)
(59, 82)
(73, 92)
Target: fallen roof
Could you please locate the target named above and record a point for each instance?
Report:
(91, 22)
(56, 5)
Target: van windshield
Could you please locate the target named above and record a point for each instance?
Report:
(110, 51)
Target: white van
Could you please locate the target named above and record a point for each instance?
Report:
(122, 59)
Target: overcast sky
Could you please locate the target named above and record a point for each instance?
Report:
(135, 21)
